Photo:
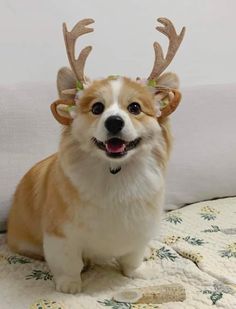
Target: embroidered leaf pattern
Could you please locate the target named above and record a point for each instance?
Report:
(174, 218)
(229, 251)
(164, 253)
(213, 229)
(194, 241)
(217, 293)
(17, 260)
(209, 213)
(115, 305)
(118, 305)
(40, 275)
(208, 216)
(214, 295)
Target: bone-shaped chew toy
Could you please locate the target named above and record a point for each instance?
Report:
(152, 295)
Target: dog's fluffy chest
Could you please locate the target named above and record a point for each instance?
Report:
(116, 212)
(114, 231)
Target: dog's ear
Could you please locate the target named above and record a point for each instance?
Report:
(66, 80)
(63, 111)
(167, 95)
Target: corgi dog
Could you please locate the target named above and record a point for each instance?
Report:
(100, 196)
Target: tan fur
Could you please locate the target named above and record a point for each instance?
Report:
(39, 205)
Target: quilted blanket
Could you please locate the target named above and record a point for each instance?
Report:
(196, 248)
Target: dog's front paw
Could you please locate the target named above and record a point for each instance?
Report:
(144, 271)
(67, 284)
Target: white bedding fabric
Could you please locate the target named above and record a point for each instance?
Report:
(197, 248)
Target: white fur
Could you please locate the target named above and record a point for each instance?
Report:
(116, 86)
(65, 262)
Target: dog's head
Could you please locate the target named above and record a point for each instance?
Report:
(116, 117)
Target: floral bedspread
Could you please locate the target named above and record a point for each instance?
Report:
(197, 248)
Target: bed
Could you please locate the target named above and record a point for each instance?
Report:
(196, 248)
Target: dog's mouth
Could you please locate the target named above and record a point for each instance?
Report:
(116, 147)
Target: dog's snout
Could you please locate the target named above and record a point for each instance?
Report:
(114, 124)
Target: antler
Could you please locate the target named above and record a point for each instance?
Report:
(175, 40)
(78, 64)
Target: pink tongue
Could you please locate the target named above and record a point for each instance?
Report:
(115, 147)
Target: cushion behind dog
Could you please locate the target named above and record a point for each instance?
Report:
(28, 133)
(203, 161)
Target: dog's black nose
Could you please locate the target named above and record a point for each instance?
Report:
(114, 124)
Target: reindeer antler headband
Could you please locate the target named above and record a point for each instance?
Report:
(160, 63)
(78, 63)
(175, 40)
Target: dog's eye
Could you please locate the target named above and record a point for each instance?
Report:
(97, 108)
(134, 108)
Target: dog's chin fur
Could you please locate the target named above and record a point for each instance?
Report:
(77, 158)
(70, 208)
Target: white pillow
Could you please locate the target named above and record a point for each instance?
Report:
(203, 161)
(28, 133)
